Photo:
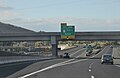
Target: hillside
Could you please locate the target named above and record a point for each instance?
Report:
(7, 28)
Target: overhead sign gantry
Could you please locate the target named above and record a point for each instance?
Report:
(67, 32)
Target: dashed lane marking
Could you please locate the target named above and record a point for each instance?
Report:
(90, 66)
(90, 70)
(92, 77)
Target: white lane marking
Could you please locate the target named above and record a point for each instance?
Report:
(90, 70)
(98, 53)
(79, 55)
(50, 67)
(66, 61)
(73, 62)
(117, 65)
(76, 52)
(92, 63)
(92, 77)
(53, 66)
(90, 66)
(108, 49)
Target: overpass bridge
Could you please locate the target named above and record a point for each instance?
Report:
(54, 37)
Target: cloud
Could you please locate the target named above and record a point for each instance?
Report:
(7, 15)
(6, 12)
(53, 24)
(72, 20)
(3, 6)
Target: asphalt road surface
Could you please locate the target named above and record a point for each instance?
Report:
(71, 68)
(8, 69)
(43, 64)
(82, 69)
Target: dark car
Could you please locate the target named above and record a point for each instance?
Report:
(88, 54)
(107, 58)
(66, 55)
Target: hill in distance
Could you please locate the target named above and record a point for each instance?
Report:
(8, 28)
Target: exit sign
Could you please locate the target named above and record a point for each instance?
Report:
(67, 32)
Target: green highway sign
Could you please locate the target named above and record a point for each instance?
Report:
(67, 32)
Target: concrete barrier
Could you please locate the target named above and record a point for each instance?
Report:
(12, 59)
(116, 55)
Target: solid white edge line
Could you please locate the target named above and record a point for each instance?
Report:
(98, 53)
(55, 65)
(50, 67)
(117, 65)
(76, 52)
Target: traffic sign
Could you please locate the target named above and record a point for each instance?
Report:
(67, 32)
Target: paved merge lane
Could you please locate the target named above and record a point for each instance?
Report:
(91, 68)
(82, 68)
(34, 67)
(43, 64)
(77, 68)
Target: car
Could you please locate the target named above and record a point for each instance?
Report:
(107, 58)
(88, 54)
(111, 46)
(84, 46)
(66, 55)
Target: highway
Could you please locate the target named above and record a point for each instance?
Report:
(8, 69)
(71, 68)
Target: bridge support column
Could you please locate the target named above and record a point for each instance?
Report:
(54, 50)
(54, 44)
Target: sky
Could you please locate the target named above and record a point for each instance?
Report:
(46, 15)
